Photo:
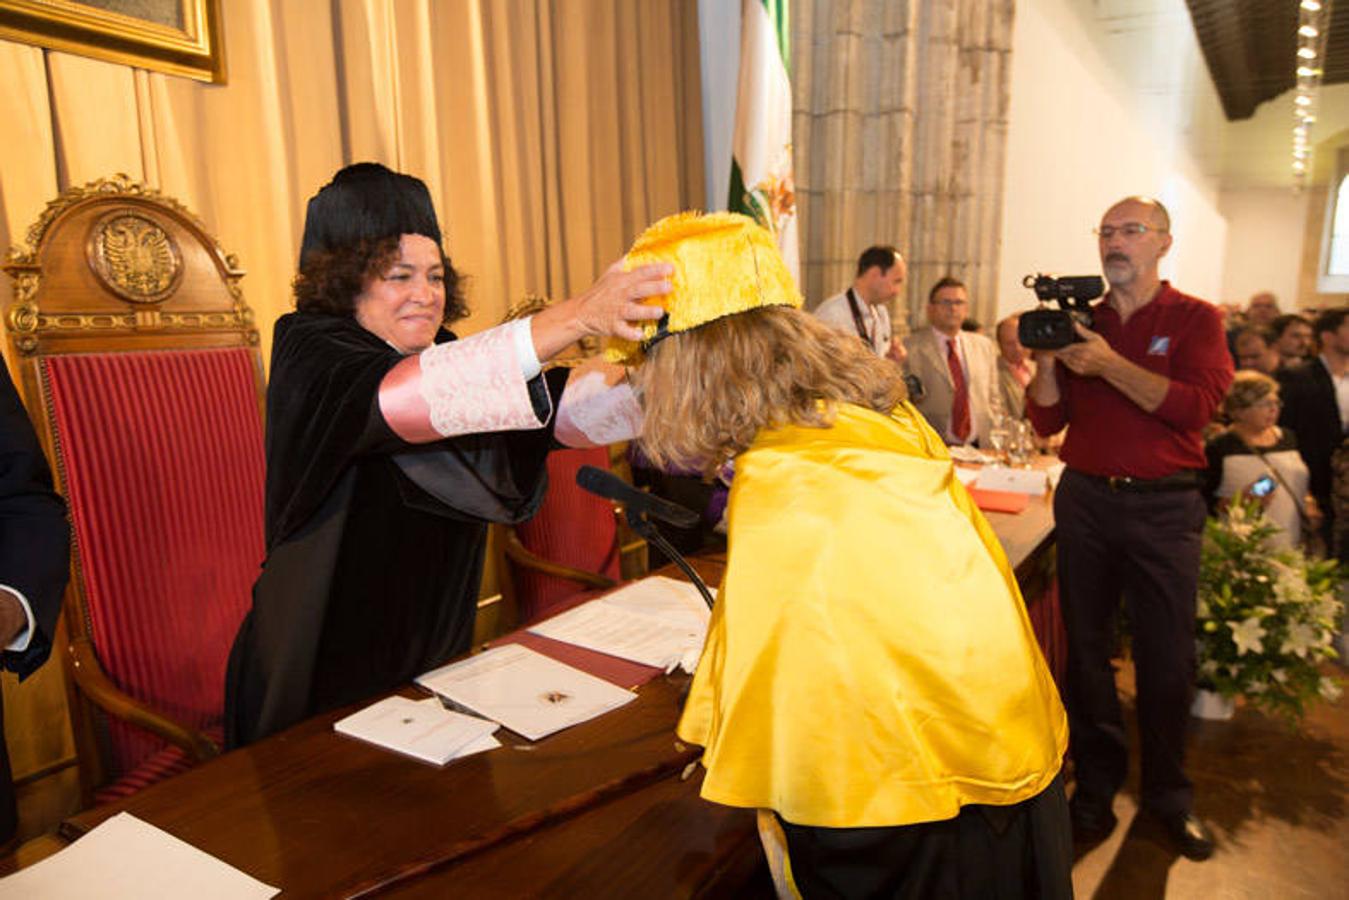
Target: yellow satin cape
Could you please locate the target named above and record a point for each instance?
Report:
(869, 661)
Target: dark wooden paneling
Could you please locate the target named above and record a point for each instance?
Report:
(1250, 47)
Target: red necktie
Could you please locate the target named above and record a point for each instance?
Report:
(960, 403)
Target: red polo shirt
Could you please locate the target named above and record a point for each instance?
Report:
(1173, 335)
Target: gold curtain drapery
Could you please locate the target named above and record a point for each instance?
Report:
(900, 129)
(549, 131)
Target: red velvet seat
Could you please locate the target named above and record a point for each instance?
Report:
(570, 545)
(138, 361)
(162, 459)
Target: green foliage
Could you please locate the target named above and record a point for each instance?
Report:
(1266, 617)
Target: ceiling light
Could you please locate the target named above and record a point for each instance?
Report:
(1311, 5)
(1306, 53)
(1307, 72)
(1302, 100)
(1307, 31)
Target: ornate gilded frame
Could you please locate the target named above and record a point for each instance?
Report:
(195, 50)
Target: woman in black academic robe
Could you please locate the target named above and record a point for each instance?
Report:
(390, 446)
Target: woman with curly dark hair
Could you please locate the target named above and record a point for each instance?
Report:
(391, 444)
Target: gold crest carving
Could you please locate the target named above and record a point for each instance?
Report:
(134, 256)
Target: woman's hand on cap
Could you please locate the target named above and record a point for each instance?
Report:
(613, 303)
(610, 306)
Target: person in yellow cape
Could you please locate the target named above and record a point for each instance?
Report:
(870, 675)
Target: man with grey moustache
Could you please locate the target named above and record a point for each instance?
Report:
(1137, 389)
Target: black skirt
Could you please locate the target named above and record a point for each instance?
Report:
(1002, 852)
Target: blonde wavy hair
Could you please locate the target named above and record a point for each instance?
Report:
(708, 391)
(1248, 388)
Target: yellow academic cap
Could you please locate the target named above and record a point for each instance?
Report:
(724, 263)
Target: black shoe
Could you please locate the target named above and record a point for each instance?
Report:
(1190, 835)
(1092, 818)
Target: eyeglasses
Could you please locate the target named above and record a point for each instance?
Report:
(1128, 229)
(950, 304)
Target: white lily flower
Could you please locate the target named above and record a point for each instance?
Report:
(1247, 636)
(1301, 638)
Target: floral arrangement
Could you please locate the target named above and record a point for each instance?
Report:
(1267, 618)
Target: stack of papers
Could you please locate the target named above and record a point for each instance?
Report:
(423, 729)
(126, 857)
(1016, 481)
(966, 476)
(527, 692)
(658, 622)
(967, 454)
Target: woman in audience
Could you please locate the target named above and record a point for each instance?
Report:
(391, 445)
(870, 681)
(1255, 457)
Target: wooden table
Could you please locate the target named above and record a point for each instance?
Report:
(609, 807)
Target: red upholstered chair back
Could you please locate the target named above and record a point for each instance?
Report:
(138, 361)
(573, 528)
(162, 459)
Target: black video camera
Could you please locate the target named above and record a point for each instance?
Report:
(1052, 329)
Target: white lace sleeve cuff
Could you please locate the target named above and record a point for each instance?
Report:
(591, 413)
(477, 384)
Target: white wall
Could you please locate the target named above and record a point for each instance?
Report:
(1265, 230)
(1109, 99)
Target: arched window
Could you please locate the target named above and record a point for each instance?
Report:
(1339, 229)
(1333, 277)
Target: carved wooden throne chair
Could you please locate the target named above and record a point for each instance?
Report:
(139, 363)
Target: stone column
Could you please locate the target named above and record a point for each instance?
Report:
(900, 130)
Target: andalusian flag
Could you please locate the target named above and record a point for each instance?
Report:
(761, 164)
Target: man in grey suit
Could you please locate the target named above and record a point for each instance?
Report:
(958, 368)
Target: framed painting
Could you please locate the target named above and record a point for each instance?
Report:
(180, 37)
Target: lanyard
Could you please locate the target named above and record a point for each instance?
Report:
(857, 320)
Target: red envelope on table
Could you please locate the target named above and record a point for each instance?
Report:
(999, 501)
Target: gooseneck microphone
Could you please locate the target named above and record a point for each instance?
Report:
(611, 487)
(637, 505)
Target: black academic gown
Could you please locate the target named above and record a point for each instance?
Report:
(374, 546)
(34, 554)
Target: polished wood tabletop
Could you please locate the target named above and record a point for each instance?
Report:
(319, 814)
(608, 805)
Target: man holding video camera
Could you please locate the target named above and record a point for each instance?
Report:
(1137, 390)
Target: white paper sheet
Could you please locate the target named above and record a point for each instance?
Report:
(656, 622)
(128, 858)
(527, 692)
(1019, 481)
(967, 454)
(966, 475)
(669, 599)
(425, 731)
(486, 742)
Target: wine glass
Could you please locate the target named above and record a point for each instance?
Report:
(999, 439)
(1021, 445)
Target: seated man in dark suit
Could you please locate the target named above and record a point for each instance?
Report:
(34, 555)
(1316, 405)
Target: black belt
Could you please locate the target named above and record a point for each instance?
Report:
(1187, 480)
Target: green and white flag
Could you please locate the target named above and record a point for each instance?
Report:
(761, 166)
